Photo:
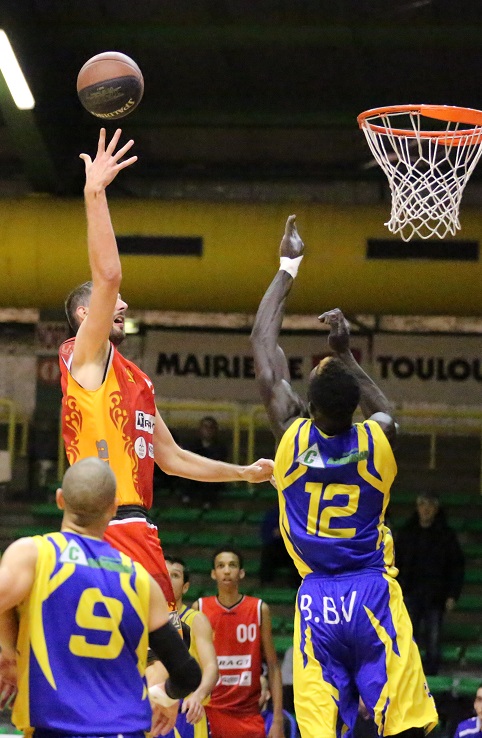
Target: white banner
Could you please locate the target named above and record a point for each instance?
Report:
(219, 366)
(429, 369)
(408, 368)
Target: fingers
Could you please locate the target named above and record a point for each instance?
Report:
(126, 163)
(331, 316)
(101, 143)
(289, 224)
(7, 695)
(113, 142)
(86, 159)
(119, 154)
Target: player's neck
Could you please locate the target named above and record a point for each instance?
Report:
(229, 597)
(92, 531)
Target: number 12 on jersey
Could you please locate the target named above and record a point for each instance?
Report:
(319, 525)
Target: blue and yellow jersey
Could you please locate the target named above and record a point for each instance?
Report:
(183, 729)
(83, 640)
(188, 615)
(333, 492)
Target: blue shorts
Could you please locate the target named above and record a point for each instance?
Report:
(353, 638)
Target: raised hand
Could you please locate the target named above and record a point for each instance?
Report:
(107, 163)
(260, 471)
(291, 244)
(339, 336)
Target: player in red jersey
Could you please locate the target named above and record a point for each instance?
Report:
(243, 640)
(108, 407)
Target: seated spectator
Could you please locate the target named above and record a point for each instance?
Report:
(273, 551)
(472, 728)
(209, 444)
(431, 565)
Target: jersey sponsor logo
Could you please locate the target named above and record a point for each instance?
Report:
(229, 680)
(349, 457)
(234, 662)
(130, 376)
(245, 679)
(144, 421)
(150, 449)
(140, 447)
(311, 457)
(73, 554)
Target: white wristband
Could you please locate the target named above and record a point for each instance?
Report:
(158, 695)
(290, 265)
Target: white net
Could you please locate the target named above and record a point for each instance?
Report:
(427, 170)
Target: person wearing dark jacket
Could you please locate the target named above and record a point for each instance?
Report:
(431, 565)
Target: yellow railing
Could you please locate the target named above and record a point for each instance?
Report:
(8, 418)
(249, 419)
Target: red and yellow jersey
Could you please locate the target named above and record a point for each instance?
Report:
(114, 422)
(237, 640)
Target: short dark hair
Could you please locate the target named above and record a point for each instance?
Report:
(181, 562)
(228, 549)
(333, 390)
(79, 296)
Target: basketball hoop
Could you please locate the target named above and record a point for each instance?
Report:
(427, 169)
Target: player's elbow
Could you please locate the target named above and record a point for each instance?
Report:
(111, 275)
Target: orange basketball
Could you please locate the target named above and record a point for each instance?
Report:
(110, 85)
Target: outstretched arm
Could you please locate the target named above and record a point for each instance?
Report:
(173, 459)
(373, 403)
(282, 404)
(91, 345)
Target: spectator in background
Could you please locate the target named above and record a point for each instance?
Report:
(243, 641)
(431, 565)
(472, 728)
(208, 444)
(273, 551)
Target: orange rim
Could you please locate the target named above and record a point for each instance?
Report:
(449, 113)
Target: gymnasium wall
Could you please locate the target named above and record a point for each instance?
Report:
(43, 255)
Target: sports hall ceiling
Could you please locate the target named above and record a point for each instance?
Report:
(235, 90)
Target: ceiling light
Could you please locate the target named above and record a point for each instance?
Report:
(10, 68)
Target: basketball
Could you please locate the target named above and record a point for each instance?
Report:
(110, 85)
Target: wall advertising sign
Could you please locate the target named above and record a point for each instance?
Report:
(409, 368)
